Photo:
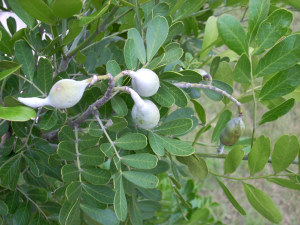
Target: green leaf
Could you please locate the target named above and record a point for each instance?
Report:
(262, 203)
(242, 70)
(83, 21)
(105, 217)
(140, 161)
(233, 159)
(182, 76)
(3, 208)
(139, 46)
(285, 151)
(175, 127)
(282, 56)
(120, 203)
(22, 215)
(49, 120)
(107, 149)
(100, 193)
(233, 34)
(141, 179)
(164, 97)
(278, 111)
(156, 144)
(18, 113)
(119, 123)
(70, 213)
(210, 36)
(66, 8)
(6, 45)
(38, 9)
(224, 73)
(66, 150)
(173, 53)
(69, 173)
(95, 129)
(25, 57)
(44, 75)
(272, 29)
(217, 96)
(259, 154)
(73, 191)
(130, 54)
(10, 171)
(176, 147)
(223, 120)
(197, 166)
(281, 84)
(231, 198)
(6, 73)
(180, 97)
(285, 183)
(134, 211)
(258, 11)
(119, 106)
(133, 141)
(91, 156)
(38, 194)
(156, 35)
(66, 134)
(200, 111)
(175, 29)
(96, 175)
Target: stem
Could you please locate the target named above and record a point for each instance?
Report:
(106, 134)
(210, 87)
(31, 127)
(254, 100)
(135, 96)
(77, 153)
(33, 202)
(252, 178)
(36, 87)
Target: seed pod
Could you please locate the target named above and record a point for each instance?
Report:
(145, 82)
(64, 94)
(232, 131)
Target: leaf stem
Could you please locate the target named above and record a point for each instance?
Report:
(254, 101)
(30, 82)
(77, 153)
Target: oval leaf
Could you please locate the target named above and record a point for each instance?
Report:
(175, 127)
(132, 141)
(233, 159)
(141, 179)
(18, 113)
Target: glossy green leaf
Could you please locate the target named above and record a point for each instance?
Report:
(180, 97)
(233, 34)
(119, 106)
(156, 144)
(223, 119)
(141, 179)
(70, 213)
(44, 75)
(140, 161)
(262, 203)
(176, 147)
(6, 73)
(18, 113)
(100, 193)
(48, 120)
(278, 111)
(73, 191)
(130, 54)
(6, 45)
(281, 84)
(22, 215)
(25, 57)
(3, 208)
(10, 171)
(231, 198)
(242, 70)
(175, 127)
(200, 111)
(66, 150)
(233, 159)
(156, 35)
(282, 56)
(105, 217)
(69, 173)
(210, 36)
(258, 11)
(95, 175)
(120, 202)
(285, 183)
(38, 9)
(164, 97)
(91, 156)
(272, 29)
(259, 154)
(197, 166)
(66, 8)
(133, 141)
(285, 151)
(139, 46)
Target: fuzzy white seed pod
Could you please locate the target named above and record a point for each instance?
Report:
(64, 94)
(145, 82)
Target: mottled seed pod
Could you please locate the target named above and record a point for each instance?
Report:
(232, 131)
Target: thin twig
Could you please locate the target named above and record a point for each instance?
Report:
(36, 87)
(77, 153)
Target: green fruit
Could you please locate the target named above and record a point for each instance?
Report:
(232, 131)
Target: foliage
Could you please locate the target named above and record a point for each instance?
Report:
(90, 164)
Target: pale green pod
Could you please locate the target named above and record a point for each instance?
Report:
(232, 131)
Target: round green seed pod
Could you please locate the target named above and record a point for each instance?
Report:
(232, 131)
